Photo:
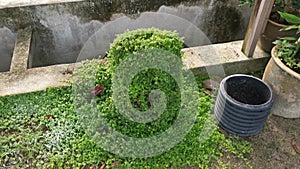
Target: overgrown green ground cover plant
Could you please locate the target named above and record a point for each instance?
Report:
(141, 39)
(43, 130)
(141, 86)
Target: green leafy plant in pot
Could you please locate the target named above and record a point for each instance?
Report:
(283, 71)
(276, 22)
(289, 47)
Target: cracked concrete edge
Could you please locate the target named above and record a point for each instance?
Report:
(38, 79)
(226, 55)
(35, 79)
(23, 3)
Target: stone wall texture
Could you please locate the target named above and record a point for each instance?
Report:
(61, 30)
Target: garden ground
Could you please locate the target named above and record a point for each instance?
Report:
(272, 147)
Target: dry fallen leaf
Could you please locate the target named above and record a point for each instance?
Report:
(116, 164)
(273, 128)
(95, 91)
(211, 84)
(49, 117)
(296, 147)
(103, 166)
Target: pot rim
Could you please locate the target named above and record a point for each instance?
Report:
(269, 101)
(276, 24)
(281, 65)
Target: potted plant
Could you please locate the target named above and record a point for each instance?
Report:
(283, 71)
(276, 22)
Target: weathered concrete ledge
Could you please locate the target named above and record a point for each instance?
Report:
(21, 51)
(201, 60)
(225, 58)
(36, 79)
(20, 79)
(19, 3)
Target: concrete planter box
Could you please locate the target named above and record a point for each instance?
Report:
(46, 42)
(61, 28)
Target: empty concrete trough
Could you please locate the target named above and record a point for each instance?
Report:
(46, 40)
(61, 28)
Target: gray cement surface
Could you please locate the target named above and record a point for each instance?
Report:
(19, 3)
(61, 30)
(218, 59)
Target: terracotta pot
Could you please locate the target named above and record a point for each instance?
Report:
(272, 33)
(286, 87)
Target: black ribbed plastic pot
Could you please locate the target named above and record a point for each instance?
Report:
(243, 104)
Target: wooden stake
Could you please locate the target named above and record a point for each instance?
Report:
(257, 24)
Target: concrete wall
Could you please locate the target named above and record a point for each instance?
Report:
(61, 30)
(19, 3)
(7, 43)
